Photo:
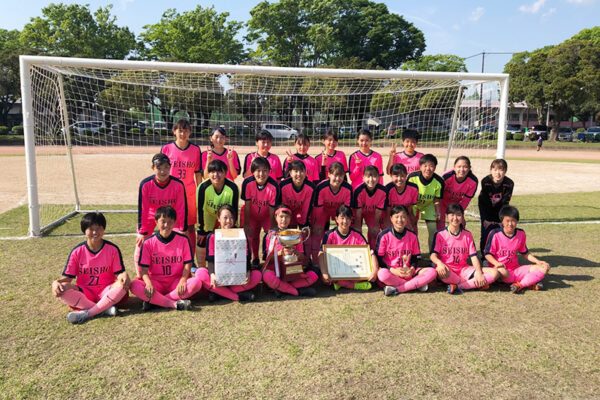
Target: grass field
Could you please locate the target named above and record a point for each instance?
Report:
(338, 345)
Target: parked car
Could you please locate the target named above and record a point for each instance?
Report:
(118, 128)
(536, 131)
(280, 131)
(486, 128)
(347, 132)
(321, 129)
(513, 128)
(81, 127)
(592, 134)
(565, 134)
(161, 125)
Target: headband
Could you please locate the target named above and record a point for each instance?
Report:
(283, 209)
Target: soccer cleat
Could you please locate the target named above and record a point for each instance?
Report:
(390, 291)
(336, 286)
(454, 289)
(516, 288)
(364, 285)
(538, 286)
(183, 304)
(212, 297)
(111, 311)
(78, 317)
(423, 288)
(277, 293)
(307, 291)
(485, 287)
(147, 306)
(246, 296)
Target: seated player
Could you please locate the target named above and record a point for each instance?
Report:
(155, 191)
(451, 248)
(368, 203)
(501, 250)
(100, 277)
(227, 217)
(166, 261)
(299, 286)
(259, 193)
(343, 234)
(397, 251)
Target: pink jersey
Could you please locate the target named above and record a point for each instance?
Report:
(505, 249)
(153, 196)
(298, 200)
(261, 198)
(391, 246)
(274, 161)
(458, 192)
(369, 201)
(357, 168)
(94, 271)
(337, 156)
(223, 157)
(408, 197)
(312, 168)
(267, 241)
(327, 201)
(165, 257)
(454, 250)
(334, 236)
(210, 249)
(410, 162)
(184, 162)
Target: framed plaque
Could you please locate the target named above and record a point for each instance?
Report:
(230, 257)
(348, 262)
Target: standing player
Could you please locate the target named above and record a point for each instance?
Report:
(362, 158)
(159, 190)
(460, 186)
(166, 261)
(186, 165)
(501, 252)
(259, 193)
(399, 192)
(431, 190)
(451, 248)
(227, 216)
(328, 196)
(302, 145)
(99, 273)
(330, 155)
(343, 234)
(496, 192)
(368, 203)
(264, 141)
(218, 139)
(409, 157)
(398, 251)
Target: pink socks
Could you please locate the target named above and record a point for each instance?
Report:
(76, 299)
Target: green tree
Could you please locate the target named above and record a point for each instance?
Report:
(72, 30)
(199, 36)
(10, 49)
(436, 62)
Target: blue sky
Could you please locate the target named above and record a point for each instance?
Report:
(459, 27)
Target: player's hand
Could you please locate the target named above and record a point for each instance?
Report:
(57, 289)
(324, 158)
(326, 278)
(480, 279)
(149, 290)
(357, 159)
(209, 155)
(124, 280)
(230, 154)
(486, 224)
(373, 276)
(393, 150)
(247, 279)
(544, 266)
(290, 155)
(139, 239)
(213, 280)
(442, 270)
(182, 287)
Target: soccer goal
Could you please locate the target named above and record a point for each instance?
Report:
(91, 126)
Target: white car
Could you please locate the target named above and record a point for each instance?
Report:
(280, 131)
(83, 127)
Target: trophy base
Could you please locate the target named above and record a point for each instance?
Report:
(291, 270)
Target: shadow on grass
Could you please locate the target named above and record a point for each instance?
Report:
(559, 281)
(569, 261)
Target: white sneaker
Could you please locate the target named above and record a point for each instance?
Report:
(78, 317)
(390, 291)
(184, 304)
(423, 288)
(111, 311)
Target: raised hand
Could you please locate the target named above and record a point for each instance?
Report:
(393, 150)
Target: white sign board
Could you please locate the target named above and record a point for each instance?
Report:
(230, 257)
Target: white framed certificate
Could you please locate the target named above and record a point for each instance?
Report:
(349, 262)
(230, 257)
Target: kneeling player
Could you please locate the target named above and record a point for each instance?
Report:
(398, 250)
(501, 252)
(449, 252)
(99, 273)
(166, 262)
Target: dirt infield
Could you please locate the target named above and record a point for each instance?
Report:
(112, 175)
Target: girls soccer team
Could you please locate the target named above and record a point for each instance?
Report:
(314, 191)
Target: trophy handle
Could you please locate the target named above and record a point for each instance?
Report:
(305, 230)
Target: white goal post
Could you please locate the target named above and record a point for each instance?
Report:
(129, 102)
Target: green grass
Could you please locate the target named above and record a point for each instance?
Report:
(339, 345)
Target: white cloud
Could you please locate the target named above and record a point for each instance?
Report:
(534, 8)
(456, 27)
(123, 4)
(581, 1)
(549, 12)
(476, 14)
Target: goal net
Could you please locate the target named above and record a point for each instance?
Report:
(91, 126)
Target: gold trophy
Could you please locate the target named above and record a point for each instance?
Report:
(291, 267)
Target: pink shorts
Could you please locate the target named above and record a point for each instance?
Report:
(166, 286)
(95, 295)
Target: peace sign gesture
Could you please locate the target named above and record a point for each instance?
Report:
(393, 150)
(324, 158)
(290, 156)
(230, 152)
(209, 155)
(357, 159)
